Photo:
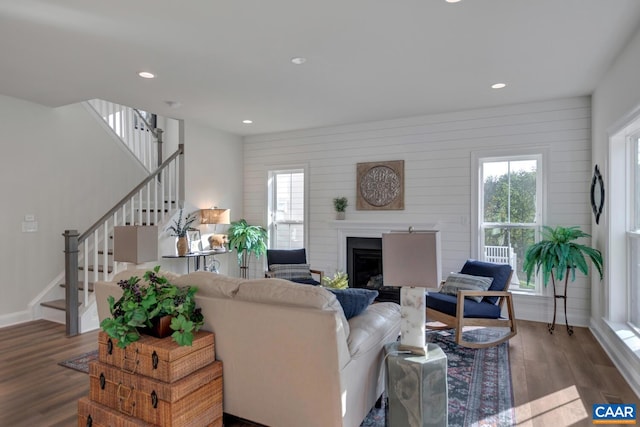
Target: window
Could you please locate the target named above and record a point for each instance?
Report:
(287, 222)
(622, 215)
(510, 201)
(633, 233)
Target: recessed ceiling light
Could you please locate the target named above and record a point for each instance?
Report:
(298, 60)
(452, 1)
(247, 121)
(146, 75)
(498, 85)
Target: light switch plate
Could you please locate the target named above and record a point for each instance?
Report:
(29, 226)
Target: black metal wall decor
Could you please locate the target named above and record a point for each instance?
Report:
(597, 193)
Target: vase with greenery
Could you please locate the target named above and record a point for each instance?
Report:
(180, 228)
(340, 280)
(247, 239)
(140, 306)
(340, 205)
(558, 256)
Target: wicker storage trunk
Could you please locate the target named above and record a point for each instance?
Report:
(154, 382)
(195, 400)
(158, 358)
(93, 414)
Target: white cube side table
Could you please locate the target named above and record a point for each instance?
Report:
(417, 387)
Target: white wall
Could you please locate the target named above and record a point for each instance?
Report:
(213, 176)
(617, 95)
(437, 151)
(61, 166)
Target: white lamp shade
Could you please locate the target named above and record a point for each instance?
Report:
(135, 243)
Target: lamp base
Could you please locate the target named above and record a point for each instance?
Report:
(419, 351)
(413, 318)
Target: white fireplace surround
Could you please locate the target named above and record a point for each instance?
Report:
(351, 228)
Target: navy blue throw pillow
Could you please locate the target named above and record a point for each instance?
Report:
(354, 300)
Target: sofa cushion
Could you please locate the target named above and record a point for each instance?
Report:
(284, 292)
(372, 326)
(354, 300)
(210, 284)
(465, 282)
(448, 304)
(291, 271)
(499, 272)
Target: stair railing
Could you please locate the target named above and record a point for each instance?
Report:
(148, 203)
(134, 130)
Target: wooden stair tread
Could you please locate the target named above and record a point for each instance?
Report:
(100, 268)
(80, 286)
(143, 224)
(109, 252)
(57, 304)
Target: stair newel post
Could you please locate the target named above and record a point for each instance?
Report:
(71, 281)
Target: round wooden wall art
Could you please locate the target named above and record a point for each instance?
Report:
(380, 185)
(597, 193)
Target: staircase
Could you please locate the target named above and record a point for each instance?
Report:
(89, 255)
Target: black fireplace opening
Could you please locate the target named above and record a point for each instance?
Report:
(364, 267)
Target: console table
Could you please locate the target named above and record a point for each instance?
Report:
(197, 256)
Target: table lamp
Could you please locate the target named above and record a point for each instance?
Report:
(215, 216)
(411, 259)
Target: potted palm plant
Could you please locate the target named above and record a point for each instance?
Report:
(246, 240)
(557, 256)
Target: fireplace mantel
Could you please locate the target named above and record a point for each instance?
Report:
(358, 228)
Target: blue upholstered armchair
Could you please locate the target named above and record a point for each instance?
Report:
(291, 264)
(474, 297)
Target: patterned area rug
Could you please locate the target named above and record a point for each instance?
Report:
(479, 381)
(81, 362)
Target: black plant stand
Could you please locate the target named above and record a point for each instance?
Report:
(551, 326)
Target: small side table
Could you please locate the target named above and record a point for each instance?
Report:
(417, 387)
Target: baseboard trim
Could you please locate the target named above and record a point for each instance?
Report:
(624, 359)
(15, 318)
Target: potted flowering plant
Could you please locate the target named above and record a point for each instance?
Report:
(142, 306)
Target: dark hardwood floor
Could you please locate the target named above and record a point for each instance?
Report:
(556, 378)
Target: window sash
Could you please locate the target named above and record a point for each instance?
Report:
(633, 287)
(287, 223)
(514, 256)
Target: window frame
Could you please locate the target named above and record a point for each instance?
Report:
(619, 214)
(478, 158)
(272, 171)
(632, 232)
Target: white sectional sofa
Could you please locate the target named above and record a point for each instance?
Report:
(290, 357)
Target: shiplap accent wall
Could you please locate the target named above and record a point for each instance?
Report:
(437, 150)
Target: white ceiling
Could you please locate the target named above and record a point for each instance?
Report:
(226, 61)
